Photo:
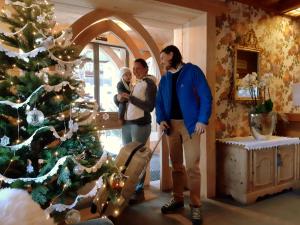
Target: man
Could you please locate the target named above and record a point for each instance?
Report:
(141, 102)
(183, 107)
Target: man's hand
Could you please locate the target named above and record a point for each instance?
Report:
(164, 126)
(200, 128)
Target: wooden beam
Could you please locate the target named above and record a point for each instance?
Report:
(211, 129)
(211, 6)
(267, 6)
(287, 5)
(274, 6)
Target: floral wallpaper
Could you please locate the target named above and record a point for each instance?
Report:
(279, 40)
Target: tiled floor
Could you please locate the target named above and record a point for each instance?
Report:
(280, 209)
(155, 168)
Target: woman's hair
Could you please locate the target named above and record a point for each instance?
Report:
(177, 57)
(142, 62)
(124, 70)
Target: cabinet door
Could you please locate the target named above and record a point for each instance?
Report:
(263, 168)
(286, 163)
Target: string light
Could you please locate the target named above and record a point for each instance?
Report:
(116, 212)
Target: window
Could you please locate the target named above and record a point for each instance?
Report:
(101, 75)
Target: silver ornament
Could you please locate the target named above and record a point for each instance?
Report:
(40, 19)
(29, 168)
(27, 108)
(4, 141)
(77, 170)
(72, 217)
(35, 117)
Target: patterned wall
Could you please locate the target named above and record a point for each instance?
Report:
(279, 40)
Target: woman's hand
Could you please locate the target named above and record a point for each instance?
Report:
(122, 97)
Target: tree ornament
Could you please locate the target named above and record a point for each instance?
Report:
(73, 126)
(40, 19)
(78, 170)
(72, 217)
(29, 167)
(5, 141)
(116, 181)
(41, 161)
(27, 108)
(35, 117)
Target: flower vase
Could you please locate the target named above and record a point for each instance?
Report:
(262, 125)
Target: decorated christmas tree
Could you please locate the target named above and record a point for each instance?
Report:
(48, 145)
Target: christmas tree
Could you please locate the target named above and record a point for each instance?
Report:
(48, 145)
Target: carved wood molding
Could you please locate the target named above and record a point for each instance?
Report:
(249, 40)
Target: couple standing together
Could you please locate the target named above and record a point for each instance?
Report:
(183, 104)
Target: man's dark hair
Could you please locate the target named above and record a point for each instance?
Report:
(142, 62)
(177, 58)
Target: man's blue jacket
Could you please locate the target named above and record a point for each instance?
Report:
(193, 93)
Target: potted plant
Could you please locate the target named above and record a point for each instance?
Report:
(262, 119)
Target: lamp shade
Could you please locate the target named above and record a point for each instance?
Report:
(296, 94)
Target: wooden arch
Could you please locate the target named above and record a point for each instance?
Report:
(91, 19)
(88, 34)
(115, 58)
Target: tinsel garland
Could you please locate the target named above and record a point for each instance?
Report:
(22, 4)
(28, 141)
(63, 207)
(47, 88)
(23, 56)
(54, 170)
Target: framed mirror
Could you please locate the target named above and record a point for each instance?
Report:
(246, 61)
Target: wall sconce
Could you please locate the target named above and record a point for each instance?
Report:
(296, 94)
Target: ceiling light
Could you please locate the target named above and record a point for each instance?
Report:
(294, 12)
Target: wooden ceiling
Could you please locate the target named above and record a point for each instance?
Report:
(275, 6)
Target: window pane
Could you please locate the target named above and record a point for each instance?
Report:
(86, 73)
(111, 140)
(109, 77)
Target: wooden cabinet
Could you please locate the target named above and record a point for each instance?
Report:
(247, 174)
